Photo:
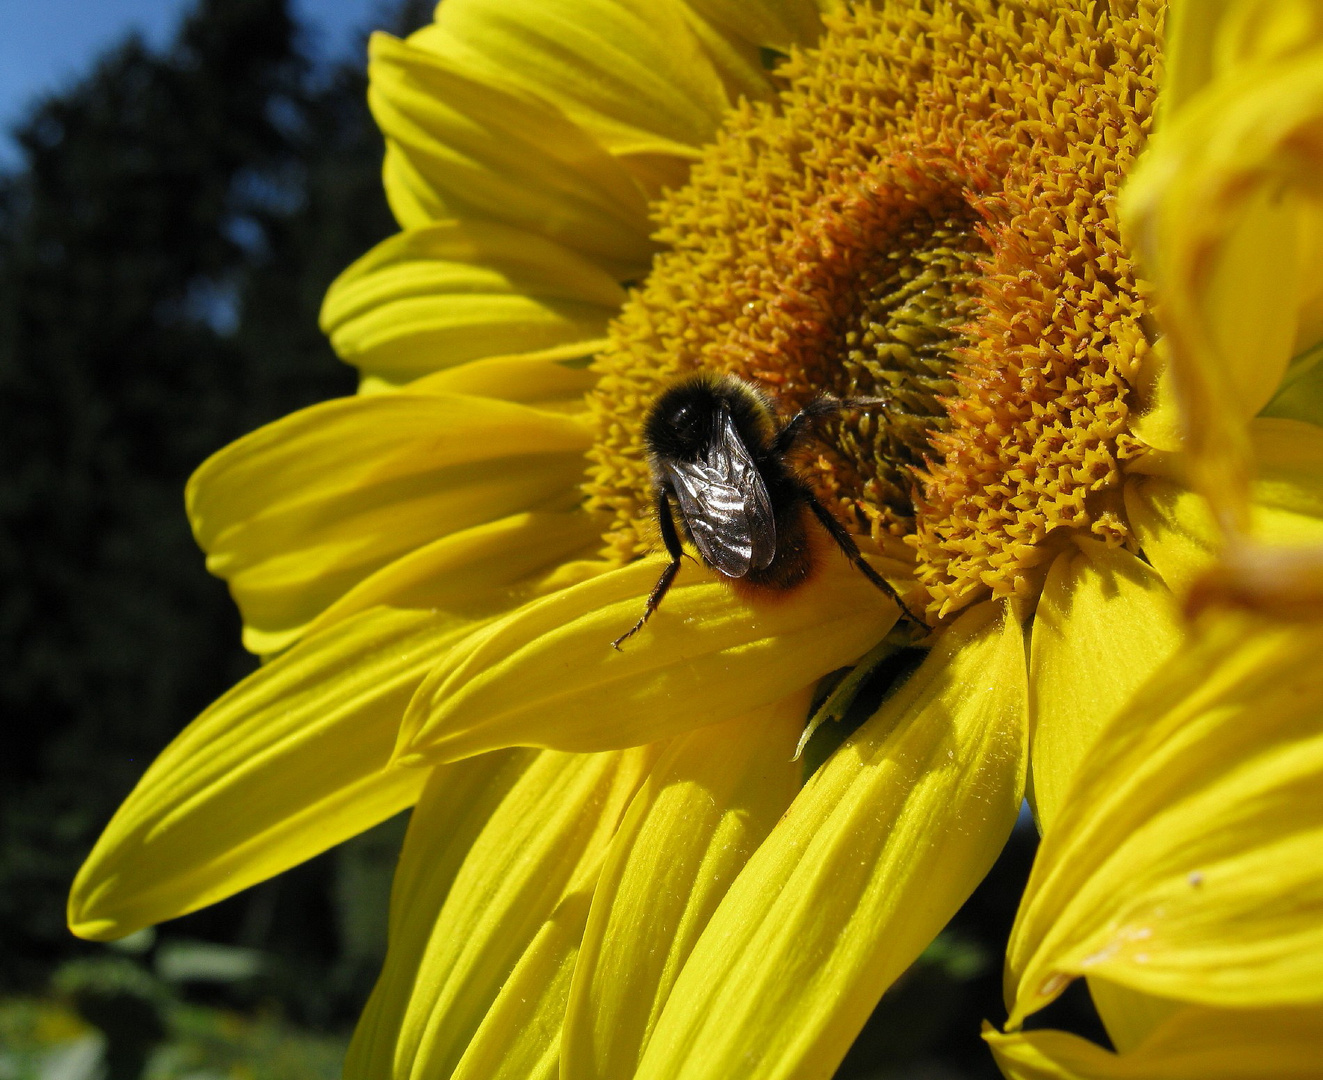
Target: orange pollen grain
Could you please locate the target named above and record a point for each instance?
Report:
(926, 214)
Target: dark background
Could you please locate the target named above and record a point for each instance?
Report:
(164, 247)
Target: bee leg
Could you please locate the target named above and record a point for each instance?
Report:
(671, 539)
(850, 549)
(821, 406)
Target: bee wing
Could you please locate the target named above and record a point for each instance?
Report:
(725, 504)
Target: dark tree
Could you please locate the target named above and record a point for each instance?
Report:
(163, 254)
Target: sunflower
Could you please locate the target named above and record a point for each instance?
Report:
(615, 865)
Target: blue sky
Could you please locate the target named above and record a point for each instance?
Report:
(45, 44)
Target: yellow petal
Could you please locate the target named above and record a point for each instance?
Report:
(874, 856)
(546, 675)
(1278, 570)
(1176, 529)
(297, 513)
(541, 849)
(1278, 566)
(1192, 27)
(453, 810)
(1281, 582)
(288, 763)
(433, 297)
(1186, 861)
(550, 378)
(1104, 623)
(1212, 39)
(708, 803)
(1129, 1016)
(412, 199)
(478, 571)
(777, 24)
(485, 151)
(1194, 1044)
(519, 1038)
(631, 73)
(1216, 210)
(1157, 420)
(1289, 456)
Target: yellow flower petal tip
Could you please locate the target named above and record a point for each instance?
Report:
(1187, 1043)
(287, 764)
(94, 929)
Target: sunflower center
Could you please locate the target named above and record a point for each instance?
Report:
(879, 286)
(925, 216)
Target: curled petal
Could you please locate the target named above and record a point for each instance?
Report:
(1186, 860)
(444, 294)
(1193, 1044)
(1219, 210)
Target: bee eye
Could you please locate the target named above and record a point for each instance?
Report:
(684, 420)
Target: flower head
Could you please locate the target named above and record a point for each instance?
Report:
(616, 867)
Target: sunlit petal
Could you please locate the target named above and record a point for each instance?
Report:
(288, 763)
(876, 853)
(444, 294)
(473, 149)
(631, 73)
(452, 812)
(1104, 623)
(710, 800)
(552, 378)
(539, 853)
(479, 571)
(547, 675)
(297, 513)
(1186, 859)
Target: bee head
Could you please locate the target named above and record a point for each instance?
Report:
(681, 421)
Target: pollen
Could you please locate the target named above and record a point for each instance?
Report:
(925, 214)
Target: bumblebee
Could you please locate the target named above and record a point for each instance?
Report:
(717, 451)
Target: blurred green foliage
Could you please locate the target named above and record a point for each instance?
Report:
(48, 1039)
